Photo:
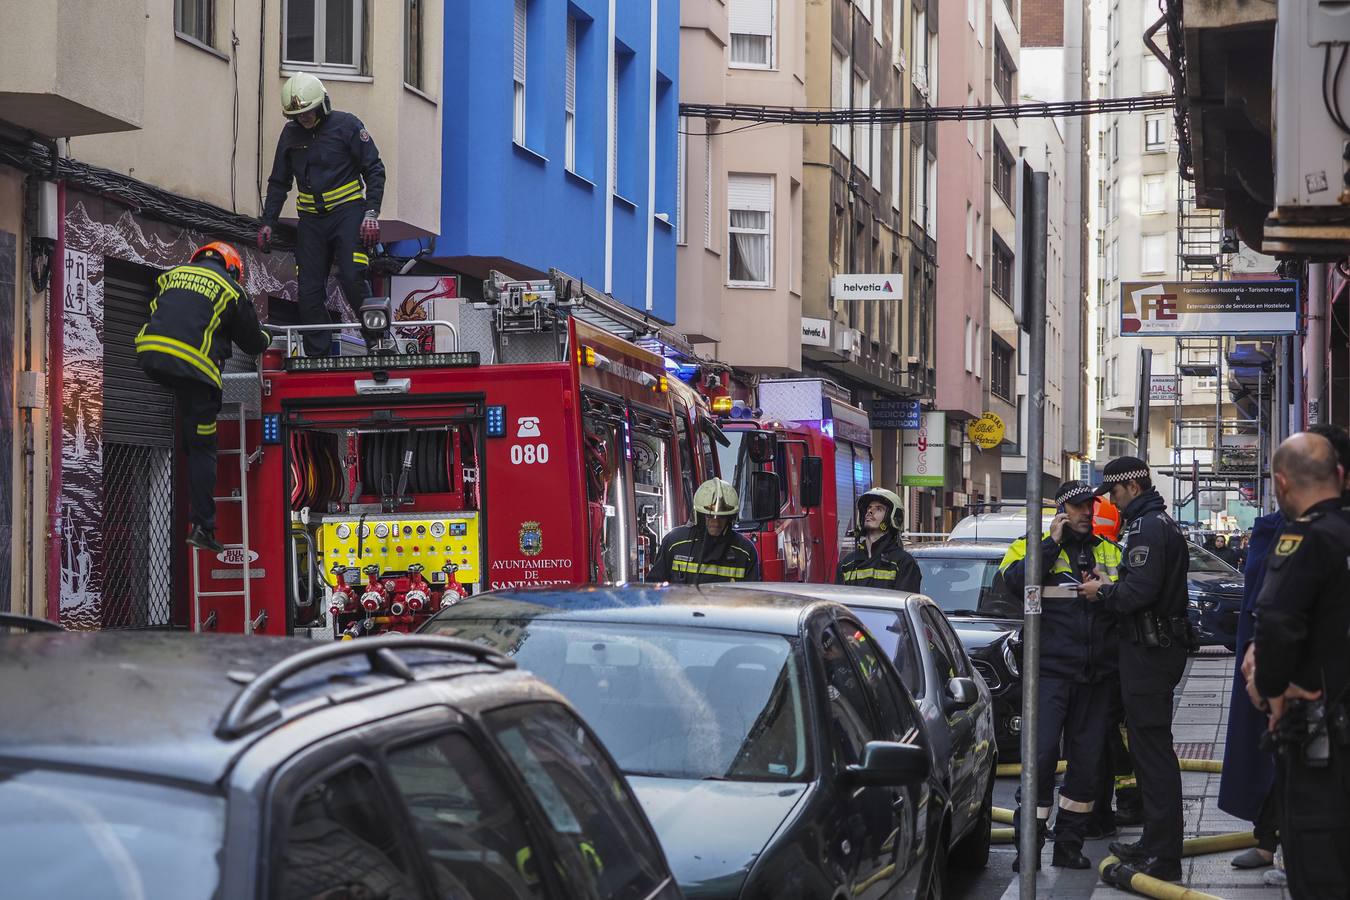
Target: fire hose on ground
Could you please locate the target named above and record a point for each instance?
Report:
(1122, 876)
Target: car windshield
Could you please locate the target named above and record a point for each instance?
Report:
(958, 584)
(1204, 561)
(668, 701)
(69, 835)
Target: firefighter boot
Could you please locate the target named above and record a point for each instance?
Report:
(1042, 831)
(205, 539)
(1069, 856)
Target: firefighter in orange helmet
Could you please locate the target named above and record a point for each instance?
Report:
(200, 310)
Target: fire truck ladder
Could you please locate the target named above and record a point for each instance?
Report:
(241, 401)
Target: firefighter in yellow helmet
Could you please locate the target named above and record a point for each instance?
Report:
(710, 550)
(340, 183)
(880, 560)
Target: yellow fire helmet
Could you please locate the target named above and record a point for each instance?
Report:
(303, 92)
(716, 497)
(896, 518)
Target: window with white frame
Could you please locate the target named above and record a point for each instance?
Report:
(875, 131)
(323, 35)
(1153, 254)
(970, 345)
(1155, 76)
(570, 99)
(930, 206)
(1113, 201)
(979, 239)
(876, 19)
(1152, 194)
(518, 74)
(413, 70)
(195, 19)
(979, 22)
(750, 230)
(751, 25)
(979, 351)
(861, 148)
(1155, 132)
(1112, 259)
(708, 229)
(1115, 141)
(897, 155)
(841, 84)
(917, 177)
(682, 182)
(970, 229)
(970, 123)
(919, 35)
(897, 34)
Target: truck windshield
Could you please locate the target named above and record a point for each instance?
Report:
(64, 834)
(735, 464)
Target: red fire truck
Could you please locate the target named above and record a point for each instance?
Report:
(818, 446)
(516, 445)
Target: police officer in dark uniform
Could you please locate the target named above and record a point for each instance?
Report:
(199, 311)
(1078, 667)
(881, 559)
(1298, 668)
(710, 550)
(1150, 601)
(329, 154)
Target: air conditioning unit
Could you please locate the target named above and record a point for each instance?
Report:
(848, 343)
(1312, 101)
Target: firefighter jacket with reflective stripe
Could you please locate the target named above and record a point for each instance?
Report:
(328, 165)
(689, 555)
(198, 311)
(886, 565)
(1079, 639)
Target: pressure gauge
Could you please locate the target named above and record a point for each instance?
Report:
(382, 530)
(437, 529)
(365, 531)
(344, 531)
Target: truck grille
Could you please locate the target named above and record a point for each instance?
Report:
(987, 671)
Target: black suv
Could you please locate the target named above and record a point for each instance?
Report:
(173, 766)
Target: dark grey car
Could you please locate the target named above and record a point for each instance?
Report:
(176, 766)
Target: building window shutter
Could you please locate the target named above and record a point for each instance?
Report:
(750, 23)
(750, 239)
(681, 181)
(570, 97)
(518, 125)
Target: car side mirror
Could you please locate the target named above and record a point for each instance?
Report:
(961, 694)
(812, 481)
(890, 764)
(764, 499)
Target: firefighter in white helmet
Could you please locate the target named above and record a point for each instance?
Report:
(339, 177)
(880, 560)
(710, 550)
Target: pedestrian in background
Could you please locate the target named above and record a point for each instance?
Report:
(1297, 669)
(1150, 599)
(1224, 550)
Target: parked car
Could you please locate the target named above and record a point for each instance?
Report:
(1214, 592)
(932, 662)
(772, 744)
(961, 578)
(150, 765)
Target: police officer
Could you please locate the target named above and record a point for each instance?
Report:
(1078, 667)
(710, 550)
(1298, 669)
(199, 310)
(880, 560)
(329, 154)
(1150, 601)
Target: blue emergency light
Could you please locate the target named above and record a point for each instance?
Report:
(271, 428)
(496, 421)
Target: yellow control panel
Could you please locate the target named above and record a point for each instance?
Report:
(395, 541)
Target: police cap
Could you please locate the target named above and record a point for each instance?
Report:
(1123, 468)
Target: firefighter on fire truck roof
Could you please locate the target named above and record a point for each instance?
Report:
(340, 182)
(880, 560)
(710, 550)
(200, 310)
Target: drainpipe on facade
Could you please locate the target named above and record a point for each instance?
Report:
(1314, 353)
(56, 292)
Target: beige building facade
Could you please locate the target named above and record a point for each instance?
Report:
(739, 244)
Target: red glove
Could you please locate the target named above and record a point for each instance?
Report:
(370, 229)
(265, 239)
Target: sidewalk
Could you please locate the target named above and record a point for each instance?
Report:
(1199, 729)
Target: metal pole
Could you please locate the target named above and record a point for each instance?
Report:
(1141, 406)
(1314, 349)
(1034, 309)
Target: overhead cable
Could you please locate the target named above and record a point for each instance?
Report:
(791, 115)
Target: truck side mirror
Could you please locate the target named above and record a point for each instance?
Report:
(812, 481)
(761, 446)
(764, 500)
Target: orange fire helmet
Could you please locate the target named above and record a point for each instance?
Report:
(228, 256)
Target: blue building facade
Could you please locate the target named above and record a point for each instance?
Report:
(559, 144)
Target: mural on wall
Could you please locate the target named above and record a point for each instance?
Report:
(97, 229)
(8, 280)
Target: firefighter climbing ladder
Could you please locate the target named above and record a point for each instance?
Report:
(242, 395)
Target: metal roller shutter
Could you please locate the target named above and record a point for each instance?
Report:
(136, 410)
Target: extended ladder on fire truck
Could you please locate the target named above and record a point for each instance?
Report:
(241, 401)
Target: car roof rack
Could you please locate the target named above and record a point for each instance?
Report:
(241, 716)
(27, 623)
